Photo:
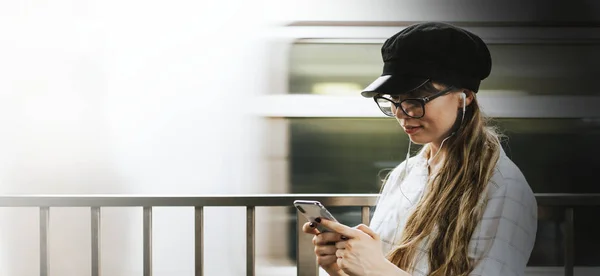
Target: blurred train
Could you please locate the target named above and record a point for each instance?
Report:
(248, 97)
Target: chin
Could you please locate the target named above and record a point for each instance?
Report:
(419, 140)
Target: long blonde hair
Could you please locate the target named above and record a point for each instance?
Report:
(448, 213)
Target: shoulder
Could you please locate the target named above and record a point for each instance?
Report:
(505, 235)
(509, 202)
(509, 183)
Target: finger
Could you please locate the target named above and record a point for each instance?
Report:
(341, 229)
(340, 253)
(368, 231)
(326, 260)
(341, 245)
(325, 250)
(328, 238)
(340, 263)
(310, 228)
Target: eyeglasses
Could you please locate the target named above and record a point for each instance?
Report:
(413, 107)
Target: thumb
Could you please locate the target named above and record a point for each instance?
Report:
(368, 231)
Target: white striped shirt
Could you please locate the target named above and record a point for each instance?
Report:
(502, 241)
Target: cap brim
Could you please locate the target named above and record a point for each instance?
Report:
(393, 85)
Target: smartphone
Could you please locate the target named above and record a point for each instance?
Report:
(311, 210)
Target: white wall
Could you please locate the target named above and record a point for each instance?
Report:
(127, 97)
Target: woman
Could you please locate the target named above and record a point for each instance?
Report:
(460, 206)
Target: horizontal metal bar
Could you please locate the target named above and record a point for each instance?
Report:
(357, 200)
(497, 104)
(568, 200)
(216, 200)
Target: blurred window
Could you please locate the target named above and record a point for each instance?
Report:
(518, 69)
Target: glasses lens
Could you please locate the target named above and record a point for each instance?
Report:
(385, 106)
(413, 108)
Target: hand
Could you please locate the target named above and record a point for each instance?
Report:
(362, 253)
(324, 248)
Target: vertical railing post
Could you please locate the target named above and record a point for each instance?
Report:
(95, 227)
(569, 242)
(250, 241)
(306, 260)
(199, 240)
(365, 215)
(147, 241)
(44, 229)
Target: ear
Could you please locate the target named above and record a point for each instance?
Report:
(468, 97)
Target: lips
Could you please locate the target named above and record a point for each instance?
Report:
(412, 129)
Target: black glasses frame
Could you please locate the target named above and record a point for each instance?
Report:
(423, 101)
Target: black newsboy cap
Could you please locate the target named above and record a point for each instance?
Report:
(431, 51)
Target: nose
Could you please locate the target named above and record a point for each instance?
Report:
(398, 113)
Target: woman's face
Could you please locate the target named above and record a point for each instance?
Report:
(440, 115)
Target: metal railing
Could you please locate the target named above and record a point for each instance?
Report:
(306, 261)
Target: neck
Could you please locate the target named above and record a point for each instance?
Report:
(434, 147)
(435, 157)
